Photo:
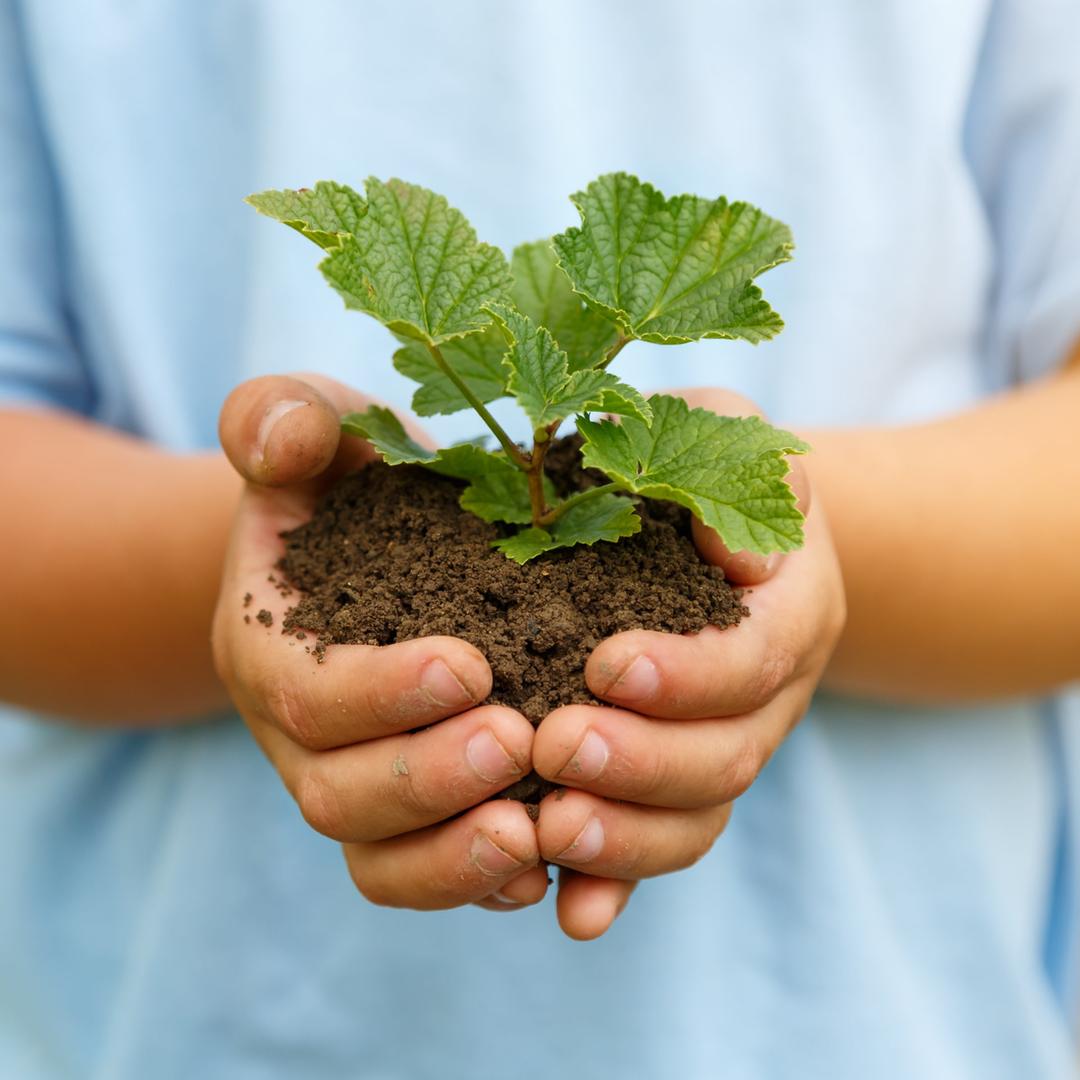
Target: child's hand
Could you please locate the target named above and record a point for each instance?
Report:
(338, 732)
(699, 717)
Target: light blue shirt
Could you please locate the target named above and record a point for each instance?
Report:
(896, 897)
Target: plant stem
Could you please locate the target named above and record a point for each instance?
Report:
(617, 347)
(541, 443)
(582, 496)
(513, 451)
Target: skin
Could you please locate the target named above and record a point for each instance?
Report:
(334, 731)
(676, 752)
(132, 536)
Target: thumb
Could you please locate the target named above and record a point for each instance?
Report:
(747, 567)
(278, 430)
(741, 567)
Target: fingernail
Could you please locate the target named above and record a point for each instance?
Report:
(639, 681)
(587, 846)
(502, 898)
(490, 859)
(443, 686)
(488, 758)
(589, 759)
(268, 423)
(747, 567)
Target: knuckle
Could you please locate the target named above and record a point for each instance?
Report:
(635, 861)
(320, 802)
(773, 673)
(380, 708)
(372, 887)
(697, 848)
(386, 886)
(293, 714)
(417, 798)
(449, 890)
(654, 779)
(741, 768)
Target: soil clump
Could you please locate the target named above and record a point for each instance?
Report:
(390, 555)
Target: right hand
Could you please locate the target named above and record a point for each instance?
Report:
(341, 734)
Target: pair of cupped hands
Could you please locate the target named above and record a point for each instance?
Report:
(389, 750)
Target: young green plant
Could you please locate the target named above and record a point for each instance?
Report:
(544, 330)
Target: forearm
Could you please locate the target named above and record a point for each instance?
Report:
(112, 559)
(958, 541)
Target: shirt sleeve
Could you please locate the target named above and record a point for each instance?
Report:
(1022, 141)
(39, 362)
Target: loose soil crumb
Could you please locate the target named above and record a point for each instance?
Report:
(265, 617)
(247, 599)
(390, 556)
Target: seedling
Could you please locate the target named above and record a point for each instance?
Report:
(545, 329)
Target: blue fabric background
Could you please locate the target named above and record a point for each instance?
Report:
(896, 896)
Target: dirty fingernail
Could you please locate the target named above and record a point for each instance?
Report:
(638, 682)
(587, 845)
(491, 859)
(268, 423)
(588, 761)
(443, 686)
(488, 758)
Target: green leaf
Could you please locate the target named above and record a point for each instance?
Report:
(542, 291)
(482, 441)
(621, 399)
(385, 432)
(605, 517)
(525, 545)
(501, 493)
(324, 214)
(476, 359)
(467, 461)
(672, 270)
(729, 471)
(541, 381)
(498, 489)
(415, 264)
(387, 435)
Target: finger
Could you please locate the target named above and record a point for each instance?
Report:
(282, 433)
(717, 400)
(692, 676)
(587, 906)
(445, 866)
(686, 765)
(624, 840)
(284, 429)
(748, 567)
(358, 692)
(724, 672)
(525, 890)
(359, 794)
(740, 567)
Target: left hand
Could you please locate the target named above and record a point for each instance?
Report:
(652, 781)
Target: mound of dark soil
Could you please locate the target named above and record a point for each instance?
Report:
(390, 555)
